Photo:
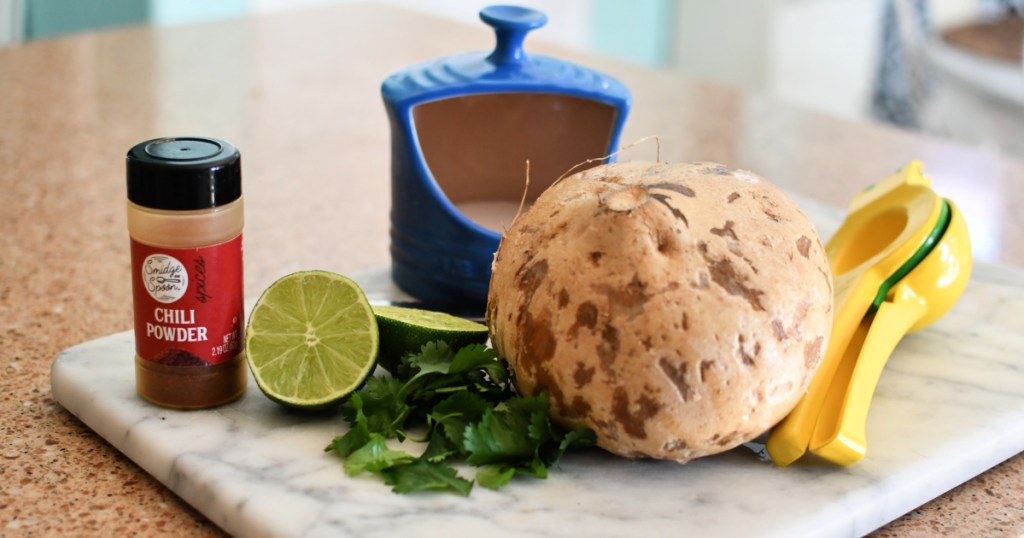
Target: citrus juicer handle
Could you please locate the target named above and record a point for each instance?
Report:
(840, 433)
(887, 224)
(789, 440)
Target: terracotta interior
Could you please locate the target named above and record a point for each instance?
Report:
(476, 147)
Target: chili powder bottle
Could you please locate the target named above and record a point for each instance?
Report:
(185, 218)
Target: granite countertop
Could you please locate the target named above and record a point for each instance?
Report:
(298, 92)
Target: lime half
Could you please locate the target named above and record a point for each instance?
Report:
(311, 340)
(405, 330)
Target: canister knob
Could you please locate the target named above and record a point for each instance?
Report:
(511, 24)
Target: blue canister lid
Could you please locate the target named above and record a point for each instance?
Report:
(438, 254)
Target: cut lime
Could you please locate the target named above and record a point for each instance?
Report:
(405, 330)
(311, 340)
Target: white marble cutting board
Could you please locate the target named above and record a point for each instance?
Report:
(950, 405)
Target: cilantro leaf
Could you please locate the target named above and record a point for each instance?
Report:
(581, 438)
(477, 357)
(536, 409)
(501, 435)
(457, 411)
(473, 357)
(353, 439)
(433, 357)
(535, 468)
(375, 456)
(381, 402)
(422, 476)
(495, 476)
(439, 447)
(358, 433)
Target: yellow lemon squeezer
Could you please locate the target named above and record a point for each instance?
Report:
(899, 261)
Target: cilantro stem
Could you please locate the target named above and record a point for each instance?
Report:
(424, 439)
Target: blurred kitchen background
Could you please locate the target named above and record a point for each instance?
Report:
(949, 68)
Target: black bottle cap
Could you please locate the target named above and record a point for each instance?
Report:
(180, 173)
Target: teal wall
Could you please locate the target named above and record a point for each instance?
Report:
(638, 30)
(50, 18)
(182, 11)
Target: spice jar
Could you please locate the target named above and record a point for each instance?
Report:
(185, 218)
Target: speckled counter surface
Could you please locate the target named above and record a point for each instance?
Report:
(298, 93)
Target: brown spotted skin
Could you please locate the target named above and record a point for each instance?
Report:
(678, 310)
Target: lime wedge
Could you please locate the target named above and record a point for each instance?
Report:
(311, 340)
(405, 330)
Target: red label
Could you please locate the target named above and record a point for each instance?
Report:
(188, 303)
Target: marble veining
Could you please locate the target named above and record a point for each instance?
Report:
(950, 404)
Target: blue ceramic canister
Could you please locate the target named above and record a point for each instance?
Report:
(462, 130)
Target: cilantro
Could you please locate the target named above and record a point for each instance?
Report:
(382, 404)
(357, 435)
(501, 435)
(375, 456)
(439, 448)
(423, 476)
(456, 412)
(466, 403)
(494, 476)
